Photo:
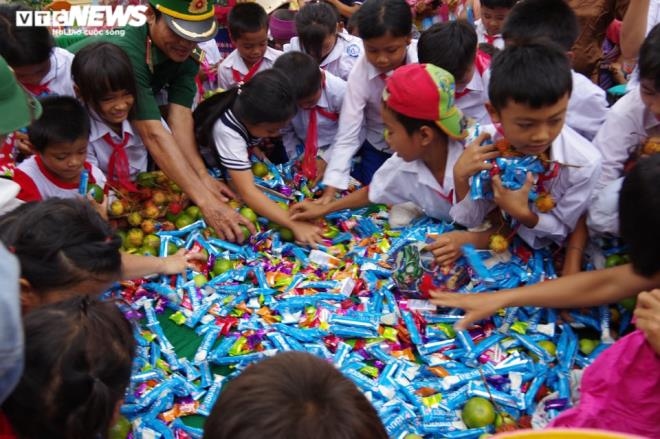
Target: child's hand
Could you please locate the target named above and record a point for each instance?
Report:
(179, 261)
(474, 156)
(476, 306)
(648, 317)
(101, 208)
(23, 143)
(447, 247)
(307, 210)
(307, 233)
(320, 170)
(328, 196)
(515, 202)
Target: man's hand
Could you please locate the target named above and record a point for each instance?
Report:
(218, 188)
(226, 221)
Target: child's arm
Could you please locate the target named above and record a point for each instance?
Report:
(575, 248)
(633, 28)
(648, 317)
(138, 266)
(244, 180)
(344, 10)
(472, 160)
(579, 290)
(309, 210)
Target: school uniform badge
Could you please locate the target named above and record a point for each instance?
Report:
(353, 50)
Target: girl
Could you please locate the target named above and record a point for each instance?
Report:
(384, 26)
(319, 36)
(65, 248)
(105, 83)
(77, 366)
(232, 121)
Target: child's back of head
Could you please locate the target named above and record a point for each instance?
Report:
(61, 244)
(246, 18)
(536, 74)
(451, 46)
(495, 4)
(315, 22)
(649, 59)
(532, 19)
(304, 72)
(77, 367)
(293, 395)
(23, 45)
(377, 18)
(63, 120)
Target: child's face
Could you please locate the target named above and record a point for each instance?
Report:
(66, 159)
(310, 101)
(115, 106)
(386, 52)
(266, 129)
(328, 44)
(252, 46)
(407, 146)
(493, 18)
(32, 74)
(530, 130)
(650, 96)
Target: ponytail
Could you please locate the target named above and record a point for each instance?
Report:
(208, 112)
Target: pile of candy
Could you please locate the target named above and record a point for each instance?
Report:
(349, 303)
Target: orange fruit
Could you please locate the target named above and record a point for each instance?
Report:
(259, 169)
(478, 412)
(498, 243)
(545, 202)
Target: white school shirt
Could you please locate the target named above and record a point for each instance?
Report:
(361, 107)
(342, 57)
(498, 41)
(231, 140)
(331, 99)
(628, 124)
(58, 77)
(38, 183)
(234, 61)
(99, 151)
(398, 181)
(587, 106)
(571, 190)
(473, 103)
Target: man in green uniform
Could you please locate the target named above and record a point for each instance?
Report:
(160, 52)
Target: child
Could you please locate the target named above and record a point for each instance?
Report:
(42, 68)
(59, 139)
(65, 248)
(105, 83)
(292, 395)
(77, 367)
(633, 119)
(489, 26)
(453, 46)
(318, 35)
(625, 378)
(529, 92)
(319, 96)
(556, 21)
(424, 129)
(248, 29)
(232, 121)
(384, 26)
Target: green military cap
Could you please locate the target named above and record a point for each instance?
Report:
(193, 20)
(18, 107)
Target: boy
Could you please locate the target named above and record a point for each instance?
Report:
(625, 378)
(453, 46)
(319, 96)
(529, 92)
(630, 122)
(59, 139)
(556, 21)
(424, 129)
(293, 395)
(248, 30)
(489, 26)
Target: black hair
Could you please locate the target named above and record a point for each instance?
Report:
(314, 22)
(649, 57)
(412, 125)
(493, 4)
(246, 17)
(451, 46)
(381, 17)
(22, 45)
(304, 72)
(63, 119)
(639, 215)
(551, 19)
(293, 395)
(60, 243)
(267, 97)
(78, 356)
(537, 74)
(100, 69)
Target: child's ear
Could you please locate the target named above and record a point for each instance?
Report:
(29, 298)
(493, 113)
(427, 134)
(76, 91)
(571, 56)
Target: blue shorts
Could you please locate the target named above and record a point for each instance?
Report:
(370, 160)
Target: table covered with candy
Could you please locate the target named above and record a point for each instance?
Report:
(358, 301)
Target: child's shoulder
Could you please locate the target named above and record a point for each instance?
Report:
(272, 54)
(231, 59)
(572, 148)
(292, 46)
(350, 45)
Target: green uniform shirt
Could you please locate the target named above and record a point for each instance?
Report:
(178, 79)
